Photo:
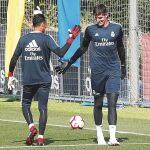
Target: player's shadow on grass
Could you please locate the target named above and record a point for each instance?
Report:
(47, 141)
(120, 140)
(11, 100)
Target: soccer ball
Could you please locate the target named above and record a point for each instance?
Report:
(76, 122)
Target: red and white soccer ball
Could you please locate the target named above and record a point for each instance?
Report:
(76, 122)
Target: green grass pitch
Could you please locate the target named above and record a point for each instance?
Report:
(133, 129)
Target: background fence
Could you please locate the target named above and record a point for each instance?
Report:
(134, 15)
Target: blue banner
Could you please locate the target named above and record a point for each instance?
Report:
(68, 16)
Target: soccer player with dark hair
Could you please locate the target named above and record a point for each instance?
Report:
(36, 48)
(107, 61)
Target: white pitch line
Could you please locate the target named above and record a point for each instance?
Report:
(136, 143)
(49, 146)
(64, 126)
(57, 146)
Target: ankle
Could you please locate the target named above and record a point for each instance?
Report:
(112, 132)
(31, 126)
(99, 131)
(40, 136)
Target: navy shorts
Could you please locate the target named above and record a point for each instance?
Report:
(106, 82)
(38, 91)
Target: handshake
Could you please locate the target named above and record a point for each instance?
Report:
(61, 69)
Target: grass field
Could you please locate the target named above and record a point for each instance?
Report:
(133, 127)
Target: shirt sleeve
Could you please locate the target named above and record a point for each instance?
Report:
(120, 47)
(15, 57)
(51, 44)
(120, 38)
(84, 47)
(86, 39)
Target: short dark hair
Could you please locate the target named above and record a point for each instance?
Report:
(99, 9)
(38, 19)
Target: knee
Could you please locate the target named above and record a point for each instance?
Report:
(42, 107)
(111, 104)
(42, 103)
(112, 99)
(98, 100)
(43, 112)
(26, 103)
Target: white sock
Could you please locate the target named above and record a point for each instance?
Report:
(99, 131)
(31, 125)
(40, 136)
(112, 132)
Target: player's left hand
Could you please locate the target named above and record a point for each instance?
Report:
(123, 71)
(11, 82)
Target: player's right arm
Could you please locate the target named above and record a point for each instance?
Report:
(14, 59)
(72, 35)
(80, 51)
(12, 65)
